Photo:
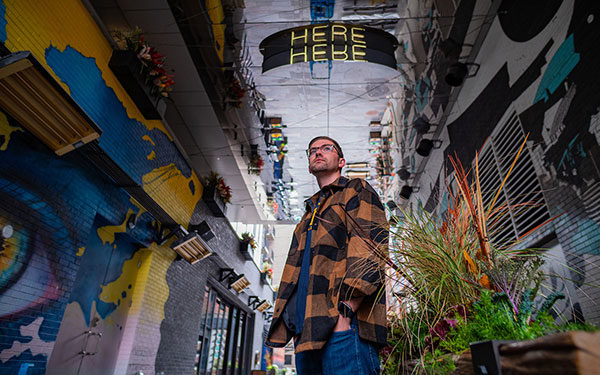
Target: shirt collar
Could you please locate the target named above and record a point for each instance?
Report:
(340, 183)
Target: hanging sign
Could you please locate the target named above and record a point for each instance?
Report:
(328, 42)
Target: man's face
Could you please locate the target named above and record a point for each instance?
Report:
(323, 161)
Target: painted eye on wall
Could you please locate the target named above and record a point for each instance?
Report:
(7, 232)
(29, 246)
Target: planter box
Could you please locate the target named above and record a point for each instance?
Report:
(575, 353)
(214, 202)
(485, 356)
(264, 278)
(127, 67)
(245, 249)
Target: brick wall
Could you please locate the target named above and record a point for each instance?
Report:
(58, 206)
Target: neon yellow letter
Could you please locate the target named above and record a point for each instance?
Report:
(335, 53)
(342, 32)
(316, 54)
(305, 37)
(358, 54)
(318, 35)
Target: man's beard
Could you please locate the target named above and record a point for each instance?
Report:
(320, 167)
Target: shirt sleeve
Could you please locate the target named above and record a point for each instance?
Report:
(367, 244)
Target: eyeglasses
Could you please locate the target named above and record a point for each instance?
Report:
(324, 148)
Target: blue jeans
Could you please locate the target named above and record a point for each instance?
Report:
(344, 354)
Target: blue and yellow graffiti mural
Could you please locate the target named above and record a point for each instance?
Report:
(71, 258)
(2, 22)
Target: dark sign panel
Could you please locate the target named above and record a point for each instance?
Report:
(329, 41)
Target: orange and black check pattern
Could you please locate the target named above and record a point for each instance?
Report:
(349, 247)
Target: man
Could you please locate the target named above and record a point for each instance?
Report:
(331, 299)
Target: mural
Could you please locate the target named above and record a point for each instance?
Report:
(47, 257)
(542, 71)
(101, 301)
(2, 22)
(71, 264)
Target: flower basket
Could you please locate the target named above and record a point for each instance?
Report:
(214, 202)
(265, 277)
(255, 165)
(267, 273)
(216, 194)
(127, 68)
(246, 250)
(234, 93)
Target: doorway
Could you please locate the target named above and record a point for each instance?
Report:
(94, 321)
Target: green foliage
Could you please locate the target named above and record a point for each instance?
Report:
(438, 363)
(446, 264)
(406, 340)
(493, 318)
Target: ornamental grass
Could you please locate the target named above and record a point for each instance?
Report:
(449, 277)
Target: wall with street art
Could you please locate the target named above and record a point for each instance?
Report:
(85, 288)
(71, 257)
(531, 79)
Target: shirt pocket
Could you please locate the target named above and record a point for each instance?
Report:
(330, 232)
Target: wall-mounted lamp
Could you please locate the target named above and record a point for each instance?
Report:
(164, 232)
(203, 229)
(237, 282)
(361, 165)
(253, 301)
(457, 73)
(268, 316)
(421, 125)
(403, 173)
(375, 135)
(30, 95)
(358, 174)
(263, 305)
(191, 246)
(392, 205)
(407, 190)
(426, 145)
(132, 221)
(450, 48)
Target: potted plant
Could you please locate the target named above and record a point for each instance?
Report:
(455, 286)
(140, 69)
(234, 93)
(247, 242)
(256, 164)
(267, 273)
(216, 194)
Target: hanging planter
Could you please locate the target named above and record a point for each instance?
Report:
(234, 93)
(126, 67)
(266, 276)
(139, 68)
(256, 164)
(247, 245)
(214, 201)
(216, 194)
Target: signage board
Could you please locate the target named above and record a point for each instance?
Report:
(328, 42)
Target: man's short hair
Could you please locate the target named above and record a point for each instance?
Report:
(335, 144)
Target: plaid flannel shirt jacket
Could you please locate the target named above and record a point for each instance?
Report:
(349, 247)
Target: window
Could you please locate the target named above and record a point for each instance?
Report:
(220, 348)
